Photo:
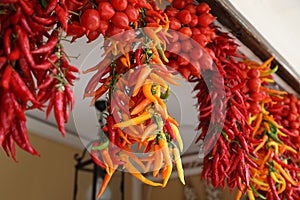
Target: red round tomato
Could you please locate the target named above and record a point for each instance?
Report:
(186, 33)
(120, 20)
(292, 117)
(119, 5)
(90, 19)
(184, 16)
(173, 64)
(256, 96)
(293, 98)
(106, 10)
(194, 21)
(93, 35)
(183, 59)
(253, 73)
(196, 53)
(203, 8)
(171, 12)
(293, 107)
(186, 46)
(254, 84)
(191, 8)
(286, 100)
(195, 31)
(174, 37)
(132, 13)
(114, 30)
(295, 125)
(205, 19)
(174, 23)
(103, 26)
(174, 47)
(254, 108)
(184, 71)
(201, 39)
(179, 4)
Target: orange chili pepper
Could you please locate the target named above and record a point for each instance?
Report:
(105, 182)
(141, 79)
(147, 91)
(257, 124)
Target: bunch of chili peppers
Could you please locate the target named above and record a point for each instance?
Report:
(277, 174)
(34, 69)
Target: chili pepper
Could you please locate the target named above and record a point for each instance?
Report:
(105, 182)
(166, 94)
(178, 165)
(111, 130)
(49, 46)
(59, 110)
(152, 13)
(2, 61)
(6, 77)
(107, 160)
(169, 129)
(273, 188)
(158, 160)
(17, 108)
(28, 9)
(95, 157)
(267, 73)
(44, 21)
(133, 121)
(279, 161)
(138, 54)
(166, 155)
(285, 174)
(65, 108)
(145, 71)
(70, 96)
(50, 7)
(177, 135)
(99, 92)
(6, 41)
(215, 177)
(62, 16)
(25, 24)
(23, 42)
(161, 53)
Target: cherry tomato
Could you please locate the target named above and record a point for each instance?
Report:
(120, 20)
(201, 39)
(196, 53)
(114, 30)
(256, 96)
(103, 26)
(174, 23)
(119, 5)
(195, 31)
(203, 8)
(173, 64)
(179, 4)
(132, 13)
(175, 36)
(293, 107)
(205, 19)
(183, 59)
(293, 97)
(292, 117)
(254, 84)
(191, 8)
(186, 46)
(253, 73)
(295, 125)
(90, 19)
(93, 35)
(171, 12)
(286, 100)
(106, 10)
(186, 33)
(254, 108)
(184, 71)
(174, 47)
(184, 16)
(194, 21)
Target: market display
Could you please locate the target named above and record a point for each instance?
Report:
(249, 130)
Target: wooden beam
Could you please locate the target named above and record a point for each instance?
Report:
(241, 28)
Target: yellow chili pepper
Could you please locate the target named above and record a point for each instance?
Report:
(147, 91)
(135, 172)
(158, 161)
(273, 176)
(134, 121)
(250, 195)
(258, 182)
(275, 145)
(285, 174)
(178, 165)
(178, 137)
(283, 183)
(152, 129)
(167, 158)
(266, 63)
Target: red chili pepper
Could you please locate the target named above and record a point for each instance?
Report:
(6, 77)
(25, 25)
(138, 54)
(62, 16)
(6, 41)
(170, 130)
(59, 111)
(66, 111)
(111, 130)
(27, 76)
(215, 172)
(96, 159)
(49, 46)
(24, 44)
(70, 96)
(47, 64)
(17, 108)
(2, 61)
(51, 103)
(273, 188)
(44, 21)
(52, 4)
(15, 54)
(28, 9)
(12, 147)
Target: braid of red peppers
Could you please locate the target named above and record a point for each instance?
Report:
(33, 69)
